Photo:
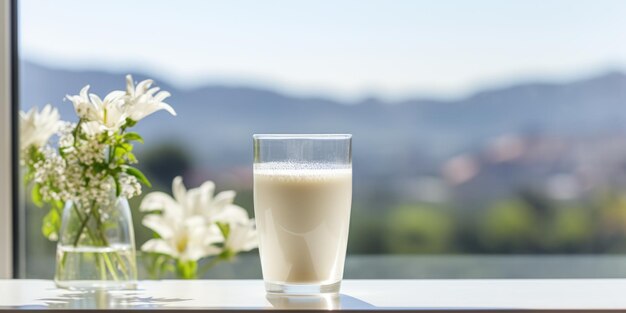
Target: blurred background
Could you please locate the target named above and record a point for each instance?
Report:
(489, 137)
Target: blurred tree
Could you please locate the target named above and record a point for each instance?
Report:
(542, 205)
(366, 233)
(507, 227)
(419, 229)
(609, 208)
(571, 231)
(164, 161)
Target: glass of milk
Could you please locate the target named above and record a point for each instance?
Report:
(302, 201)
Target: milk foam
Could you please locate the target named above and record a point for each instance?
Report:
(302, 171)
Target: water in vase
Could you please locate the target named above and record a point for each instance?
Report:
(96, 267)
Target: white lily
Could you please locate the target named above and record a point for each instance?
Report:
(183, 236)
(111, 115)
(186, 239)
(81, 103)
(201, 201)
(241, 237)
(92, 128)
(186, 224)
(37, 127)
(108, 111)
(142, 100)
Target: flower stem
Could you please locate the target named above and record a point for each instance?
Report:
(100, 262)
(187, 269)
(105, 243)
(104, 260)
(110, 266)
(83, 224)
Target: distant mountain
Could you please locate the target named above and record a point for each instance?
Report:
(404, 138)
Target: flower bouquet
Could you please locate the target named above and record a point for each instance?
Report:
(86, 179)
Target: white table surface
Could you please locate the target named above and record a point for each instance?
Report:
(502, 294)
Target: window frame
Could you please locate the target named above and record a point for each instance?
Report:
(10, 220)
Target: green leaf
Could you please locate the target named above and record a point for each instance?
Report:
(51, 225)
(100, 167)
(130, 122)
(36, 195)
(58, 204)
(224, 228)
(126, 146)
(138, 174)
(119, 152)
(133, 136)
(131, 157)
(122, 150)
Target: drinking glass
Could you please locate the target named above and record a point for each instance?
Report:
(302, 201)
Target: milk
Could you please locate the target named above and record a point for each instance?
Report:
(302, 213)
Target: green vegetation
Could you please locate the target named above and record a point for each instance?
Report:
(524, 223)
(508, 226)
(419, 229)
(527, 223)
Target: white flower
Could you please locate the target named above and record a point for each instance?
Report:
(108, 112)
(201, 201)
(81, 103)
(92, 128)
(37, 127)
(111, 112)
(241, 237)
(187, 223)
(130, 186)
(84, 169)
(187, 239)
(142, 100)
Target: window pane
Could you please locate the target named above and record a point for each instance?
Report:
(480, 129)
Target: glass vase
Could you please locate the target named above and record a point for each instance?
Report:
(96, 247)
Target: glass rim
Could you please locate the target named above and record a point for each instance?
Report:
(302, 136)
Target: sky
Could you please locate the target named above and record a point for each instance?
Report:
(346, 49)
